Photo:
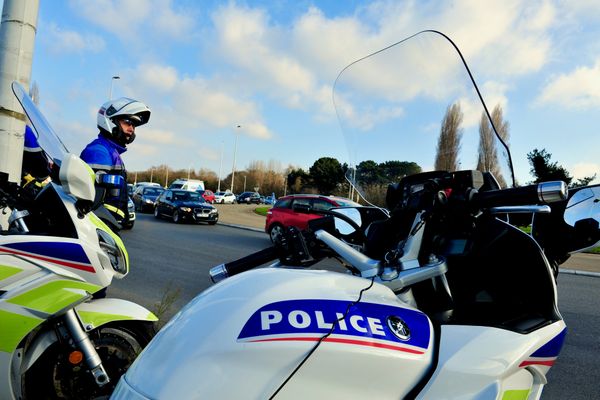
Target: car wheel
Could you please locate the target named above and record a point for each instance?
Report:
(128, 225)
(275, 232)
(176, 217)
(156, 213)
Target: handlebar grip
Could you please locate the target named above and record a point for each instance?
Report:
(541, 193)
(222, 271)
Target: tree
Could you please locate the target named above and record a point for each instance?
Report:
(543, 170)
(393, 171)
(368, 172)
(296, 179)
(448, 146)
(487, 160)
(326, 174)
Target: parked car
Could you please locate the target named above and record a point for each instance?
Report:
(181, 205)
(282, 214)
(130, 189)
(225, 198)
(187, 184)
(208, 195)
(131, 211)
(270, 200)
(145, 196)
(249, 198)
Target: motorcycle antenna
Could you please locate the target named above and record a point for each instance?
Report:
(323, 338)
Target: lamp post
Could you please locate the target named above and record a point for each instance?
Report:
(220, 168)
(237, 131)
(244, 183)
(189, 168)
(151, 174)
(111, 86)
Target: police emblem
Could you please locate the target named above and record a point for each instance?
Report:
(398, 327)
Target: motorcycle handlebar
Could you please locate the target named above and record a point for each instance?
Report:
(225, 270)
(541, 193)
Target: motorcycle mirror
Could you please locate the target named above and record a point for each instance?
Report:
(583, 214)
(344, 227)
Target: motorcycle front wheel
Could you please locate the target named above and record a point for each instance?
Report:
(53, 376)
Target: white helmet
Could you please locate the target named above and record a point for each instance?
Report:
(122, 108)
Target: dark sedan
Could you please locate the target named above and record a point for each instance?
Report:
(181, 205)
(249, 198)
(145, 196)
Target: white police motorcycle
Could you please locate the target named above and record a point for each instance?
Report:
(56, 339)
(443, 297)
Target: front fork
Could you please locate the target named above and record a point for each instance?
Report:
(83, 342)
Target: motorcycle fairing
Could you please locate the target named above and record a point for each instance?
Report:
(361, 324)
(102, 311)
(489, 362)
(548, 353)
(64, 254)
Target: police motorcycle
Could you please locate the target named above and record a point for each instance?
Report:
(442, 297)
(56, 339)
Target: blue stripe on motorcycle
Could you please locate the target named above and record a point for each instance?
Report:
(65, 251)
(553, 347)
(364, 320)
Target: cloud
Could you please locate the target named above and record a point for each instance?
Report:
(582, 170)
(192, 106)
(579, 89)
(61, 41)
(127, 18)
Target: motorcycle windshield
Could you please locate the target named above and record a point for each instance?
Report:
(412, 107)
(45, 135)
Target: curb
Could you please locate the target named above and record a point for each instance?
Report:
(247, 228)
(579, 272)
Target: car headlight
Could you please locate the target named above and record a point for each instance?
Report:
(148, 201)
(213, 211)
(186, 209)
(130, 206)
(114, 252)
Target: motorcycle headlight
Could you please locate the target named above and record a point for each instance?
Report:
(186, 209)
(113, 251)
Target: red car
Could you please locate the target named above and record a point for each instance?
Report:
(282, 215)
(208, 195)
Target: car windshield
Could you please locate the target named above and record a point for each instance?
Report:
(188, 196)
(152, 191)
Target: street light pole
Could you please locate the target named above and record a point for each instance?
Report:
(111, 86)
(244, 183)
(237, 131)
(220, 168)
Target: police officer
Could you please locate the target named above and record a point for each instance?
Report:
(117, 121)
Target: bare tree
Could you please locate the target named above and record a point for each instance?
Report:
(488, 159)
(448, 146)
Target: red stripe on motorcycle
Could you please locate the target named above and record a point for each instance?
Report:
(548, 363)
(81, 267)
(345, 341)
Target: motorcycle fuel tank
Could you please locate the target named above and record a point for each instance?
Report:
(244, 337)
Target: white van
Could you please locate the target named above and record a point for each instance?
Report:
(191, 185)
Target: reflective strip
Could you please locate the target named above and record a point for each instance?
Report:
(7, 272)
(107, 167)
(54, 296)
(516, 394)
(14, 328)
(114, 209)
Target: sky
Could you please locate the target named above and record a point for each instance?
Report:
(263, 71)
